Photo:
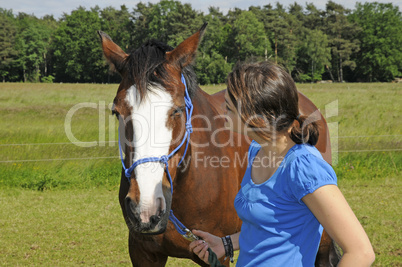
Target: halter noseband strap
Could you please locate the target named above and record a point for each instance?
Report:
(165, 158)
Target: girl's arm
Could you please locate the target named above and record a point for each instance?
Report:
(333, 212)
(200, 247)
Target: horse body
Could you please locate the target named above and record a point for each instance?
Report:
(207, 181)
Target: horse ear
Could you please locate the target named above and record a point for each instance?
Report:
(113, 53)
(185, 52)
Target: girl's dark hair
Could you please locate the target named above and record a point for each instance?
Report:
(266, 98)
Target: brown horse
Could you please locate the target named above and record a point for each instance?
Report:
(150, 104)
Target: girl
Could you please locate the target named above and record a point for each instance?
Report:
(288, 193)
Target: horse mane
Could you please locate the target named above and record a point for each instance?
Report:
(146, 66)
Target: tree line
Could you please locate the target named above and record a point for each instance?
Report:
(338, 44)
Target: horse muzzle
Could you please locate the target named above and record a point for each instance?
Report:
(146, 220)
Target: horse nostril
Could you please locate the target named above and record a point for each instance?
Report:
(154, 220)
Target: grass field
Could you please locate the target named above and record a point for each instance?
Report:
(58, 201)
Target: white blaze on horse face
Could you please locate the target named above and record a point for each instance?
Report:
(152, 138)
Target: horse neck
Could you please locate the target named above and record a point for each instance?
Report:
(204, 105)
(206, 119)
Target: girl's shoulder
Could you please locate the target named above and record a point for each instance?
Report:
(307, 170)
(305, 155)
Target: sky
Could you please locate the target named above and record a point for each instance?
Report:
(56, 8)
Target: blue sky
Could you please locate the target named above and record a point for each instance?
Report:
(57, 7)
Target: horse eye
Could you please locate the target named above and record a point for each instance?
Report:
(178, 111)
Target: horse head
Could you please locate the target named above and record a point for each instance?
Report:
(150, 106)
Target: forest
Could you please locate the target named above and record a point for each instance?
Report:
(335, 44)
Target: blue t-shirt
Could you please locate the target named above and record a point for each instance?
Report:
(278, 228)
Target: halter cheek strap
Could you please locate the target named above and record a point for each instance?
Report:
(165, 158)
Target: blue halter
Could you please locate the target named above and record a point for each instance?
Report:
(186, 233)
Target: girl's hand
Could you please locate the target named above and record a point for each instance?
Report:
(200, 247)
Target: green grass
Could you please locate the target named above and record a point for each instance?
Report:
(61, 228)
(85, 226)
(58, 201)
(35, 114)
(377, 205)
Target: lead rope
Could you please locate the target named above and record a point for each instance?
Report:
(213, 259)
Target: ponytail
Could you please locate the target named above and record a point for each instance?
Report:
(270, 102)
(304, 131)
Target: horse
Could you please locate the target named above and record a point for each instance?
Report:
(178, 154)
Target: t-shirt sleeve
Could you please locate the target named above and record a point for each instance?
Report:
(307, 173)
(252, 150)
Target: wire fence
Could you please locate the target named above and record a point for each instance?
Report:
(116, 157)
(104, 142)
(59, 159)
(66, 143)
